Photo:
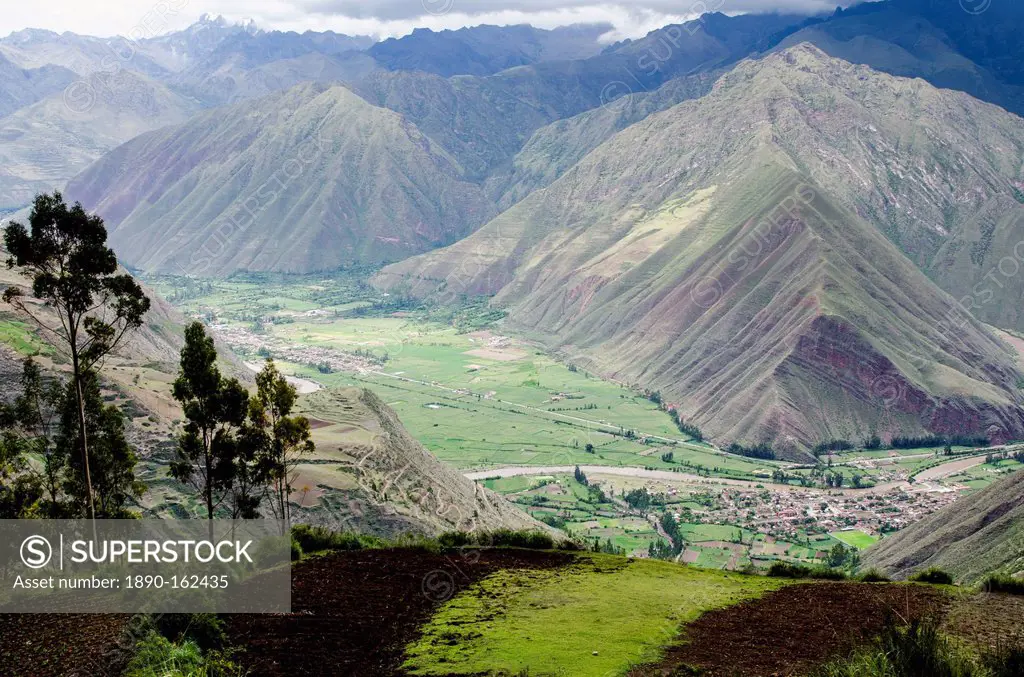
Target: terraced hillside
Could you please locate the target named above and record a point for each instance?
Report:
(724, 252)
(976, 536)
(369, 475)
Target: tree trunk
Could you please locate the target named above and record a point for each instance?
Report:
(81, 433)
(208, 442)
(280, 493)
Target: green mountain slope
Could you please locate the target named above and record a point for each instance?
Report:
(684, 255)
(976, 536)
(308, 179)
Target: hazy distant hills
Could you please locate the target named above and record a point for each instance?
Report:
(309, 179)
(43, 144)
(24, 86)
(653, 259)
(485, 50)
(67, 99)
(248, 65)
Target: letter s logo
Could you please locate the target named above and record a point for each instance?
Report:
(36, 552)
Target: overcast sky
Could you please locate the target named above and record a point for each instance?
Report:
(370, 17)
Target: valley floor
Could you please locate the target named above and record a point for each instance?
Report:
(519, 421)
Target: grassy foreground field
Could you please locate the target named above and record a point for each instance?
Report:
(508, 611)
(596, 617)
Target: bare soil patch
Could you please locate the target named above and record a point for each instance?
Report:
(59, 645)
(988, 620)
(793, 629)
(498, 354)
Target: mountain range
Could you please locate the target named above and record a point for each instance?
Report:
(607, 196)
(92, 94)
(316, 160)
(722, 251)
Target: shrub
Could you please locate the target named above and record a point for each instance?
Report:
(1004, 584)
(827, 574)
(157, 656)
(455, 539)
(920, 650)
(505, 538)
(532, 540)
(205, 630)
(415, 542)
(788, 570)
(296, 551)
(873, 576)
(321, 539)
(933, 576)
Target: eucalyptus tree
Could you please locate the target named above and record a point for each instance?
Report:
(89, 305)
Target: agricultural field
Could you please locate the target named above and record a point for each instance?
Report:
(22, 338)
(622, 613)
(982, 475)
(473, 397)
(855, 538)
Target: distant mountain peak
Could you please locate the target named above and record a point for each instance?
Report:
(207, 21)
(27, 35)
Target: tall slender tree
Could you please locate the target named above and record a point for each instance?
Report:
(282, 439)
(75, 274)
(215, 408)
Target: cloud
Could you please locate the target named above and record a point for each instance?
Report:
(392, 10)
(382, 18)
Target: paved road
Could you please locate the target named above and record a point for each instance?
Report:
(621, 471)
(303, 385)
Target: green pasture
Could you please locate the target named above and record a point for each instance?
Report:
(622, 613)
(854, 538)
(21, 337)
